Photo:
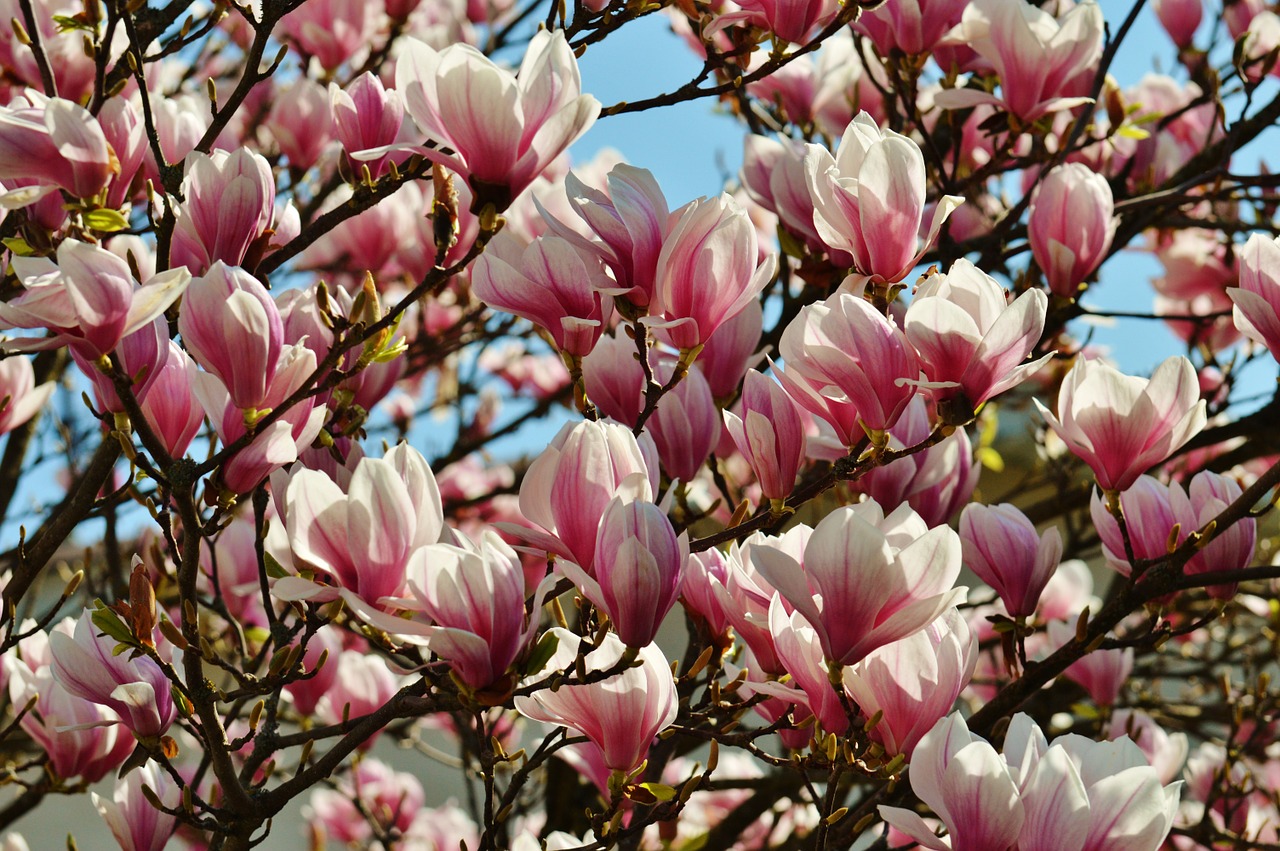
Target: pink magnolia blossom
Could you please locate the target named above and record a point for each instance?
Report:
(638, 568)
(712, 239)
(135, 689)
(1034, 54)
(630, 220)
(725, 357)
(306, 693)
(501, 130)
(80, 737)
(968, 785)
(363, 685)
(773, 175)
(800, 651)
(88, 299)
(1071, 226)
(1180, 19)
(363, 529)
(1121, 425)
(1257, 299)
(125, 131)
(56, 143)
(793, 21)
(301, 122)
(232, 328)
(275, 445)
(134, 822)
(842, 352)
(229, 204)
(1002, 547)
(473, 595)
(171, 409)
(914, 681)
(549, 282)
(1166, 752)
(970, 337)
(745, 594)
(1083, 795)
(866, 579)
(686, 424)
(332, 31)
(620, 715)
(20, 398)
(869, 200)
(366, 116)
(913, 27)
(1102, 673)
(373, 792)
(702, 572)
(568, 487)
(769, 434)
(614, 379)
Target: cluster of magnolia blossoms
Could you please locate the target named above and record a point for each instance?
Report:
(350, 565)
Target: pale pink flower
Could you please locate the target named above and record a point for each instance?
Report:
(372, 792)
(712, 239)
(702, 572)
(769, 434)
(501, 130)
(551, 283)
(135, 689)
(800, 651)
(968, 785)
(638, 568)
(621, 714)
(935, 482)
(631, 221)
(363, 529)
(1034, 54)
(1257, 299)
(56, 143)
(364, 684)
(134, 822)
(844, 352)
(1101, 673)
(793, 21)
(913, 27)
(1071, 225)
(686, 424)
(1121, 425)
(1180, 19)
(1002, 547)
(869, 200)
(306, 693)
(866, 579)
(81, 738)
(970, 337)
(141, 356)
(914, 681)
(88, 299)
(229, 203)
(725, 357)
(273, 446)
(332, 31)
(567, 488)
(366, 116)
(20, 398)
(301, 122)
(744, 593)
(171, 409)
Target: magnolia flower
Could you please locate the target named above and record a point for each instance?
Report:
(769, 434)
(363, 529)
(20, 398)
(1257, 299)
(1121, 425)
(868, 579)
(621, 714)
(495, 129)
(869, 200)
(88, 299)
(136, 689)
(971, 340)
(134, 822)
(1071, 225)
(56, 143)
(1002, 547)
(229, 204)
(1034, 54)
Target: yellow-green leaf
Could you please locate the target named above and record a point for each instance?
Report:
(106, 220)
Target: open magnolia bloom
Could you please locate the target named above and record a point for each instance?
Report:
(621, 714)
(1073, 794)
(495, 129)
